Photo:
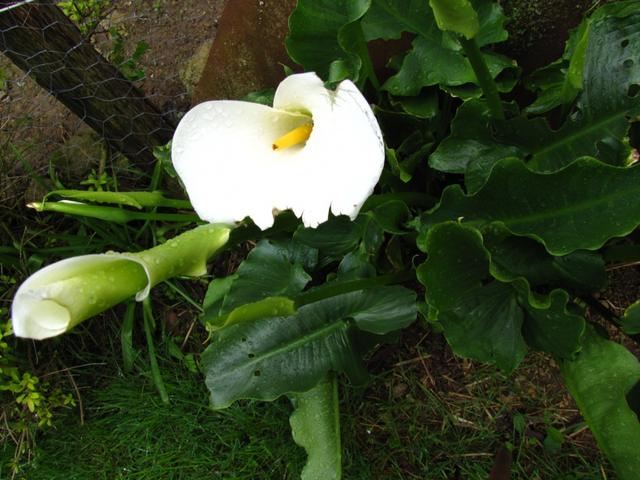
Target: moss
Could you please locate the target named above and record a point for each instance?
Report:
(538, 29)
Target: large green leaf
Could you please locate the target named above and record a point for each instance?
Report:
(333, 238)
(513, 257)
(315, 425)
(470, 142)
(321, 34)
(484, 315)
(550, 326)
(480, 320)
(579, 207)
(436, 58)
(387, 19)
(271, 269)
(601, 380)
(272, 356)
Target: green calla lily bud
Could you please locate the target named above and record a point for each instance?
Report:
(60, 296)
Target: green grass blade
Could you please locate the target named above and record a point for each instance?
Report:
(126, 337)
(153, 360)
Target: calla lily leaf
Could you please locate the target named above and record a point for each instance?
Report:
(58, 297)
(315, 425)
(227, 154)
(319, 37)
(579, 207)
(604, 380)
(272, 269)
(485, 314)
(272, 356)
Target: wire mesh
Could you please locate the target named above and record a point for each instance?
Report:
(157, 48)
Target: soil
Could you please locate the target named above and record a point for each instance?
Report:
(34, 126)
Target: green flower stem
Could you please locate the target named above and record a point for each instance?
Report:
(147, 314)
(483, 75)
(186, 254)
(331, 290)
(126, 337)
(134, 199)
(110, 214)
(363, 53)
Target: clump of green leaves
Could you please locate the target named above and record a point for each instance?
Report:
(129, 64)
(28, 403)
(87, 14)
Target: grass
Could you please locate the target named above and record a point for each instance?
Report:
(129, 433)
(424, 415)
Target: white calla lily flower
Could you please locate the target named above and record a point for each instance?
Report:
(58, 297)
(316, 150)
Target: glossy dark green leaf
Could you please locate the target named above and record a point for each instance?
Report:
(470, 142)
(319, 34)
(430, 63)
(481, 320)
(269, 357)
(355, 265)
(391, 216)
(579, 207)
(600, 380)
(424, 105)
(484, 315)
(513, 257)
(315, 425)
(267, 307)
(271, 269)
(560, 82)
(335, 237)
(550, 326)
(387, 19)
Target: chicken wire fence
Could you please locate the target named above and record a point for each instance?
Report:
(84, 82)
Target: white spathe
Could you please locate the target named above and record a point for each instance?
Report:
(223, 152)
(60, 296)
